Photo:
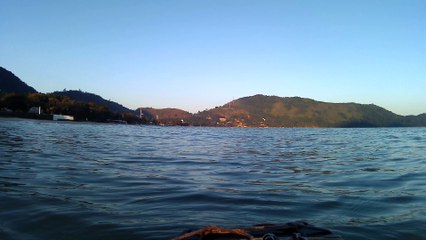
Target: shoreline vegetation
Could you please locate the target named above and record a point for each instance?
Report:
(257, 111)
(46, 106)
(17, 99)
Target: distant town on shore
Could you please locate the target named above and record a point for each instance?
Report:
(17, 99)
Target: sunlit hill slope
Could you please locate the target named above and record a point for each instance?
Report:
(273, 111)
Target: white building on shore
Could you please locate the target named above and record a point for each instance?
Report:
(58, 117)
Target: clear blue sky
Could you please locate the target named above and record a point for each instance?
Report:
(200, 54)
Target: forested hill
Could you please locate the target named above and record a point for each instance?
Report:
(273, 111)
(254, 111)
(166, 116)
(81, 96)
(9, 83)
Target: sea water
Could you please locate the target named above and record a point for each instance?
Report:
(63, 180)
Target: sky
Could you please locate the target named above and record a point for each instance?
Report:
(198, 54)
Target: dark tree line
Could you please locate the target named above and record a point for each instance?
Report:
(54, 104)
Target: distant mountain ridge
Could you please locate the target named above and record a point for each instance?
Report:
(253, 111)
(166, 116)
(272, 111)
(9, 83)
(91, 97)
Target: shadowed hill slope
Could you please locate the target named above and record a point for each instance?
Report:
(167, 116)
(9, 83)
(90, 97)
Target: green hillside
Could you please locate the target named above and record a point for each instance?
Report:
(273, 111)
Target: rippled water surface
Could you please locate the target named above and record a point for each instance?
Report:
(99, 181)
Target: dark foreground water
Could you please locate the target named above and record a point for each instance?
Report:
(98, 181)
